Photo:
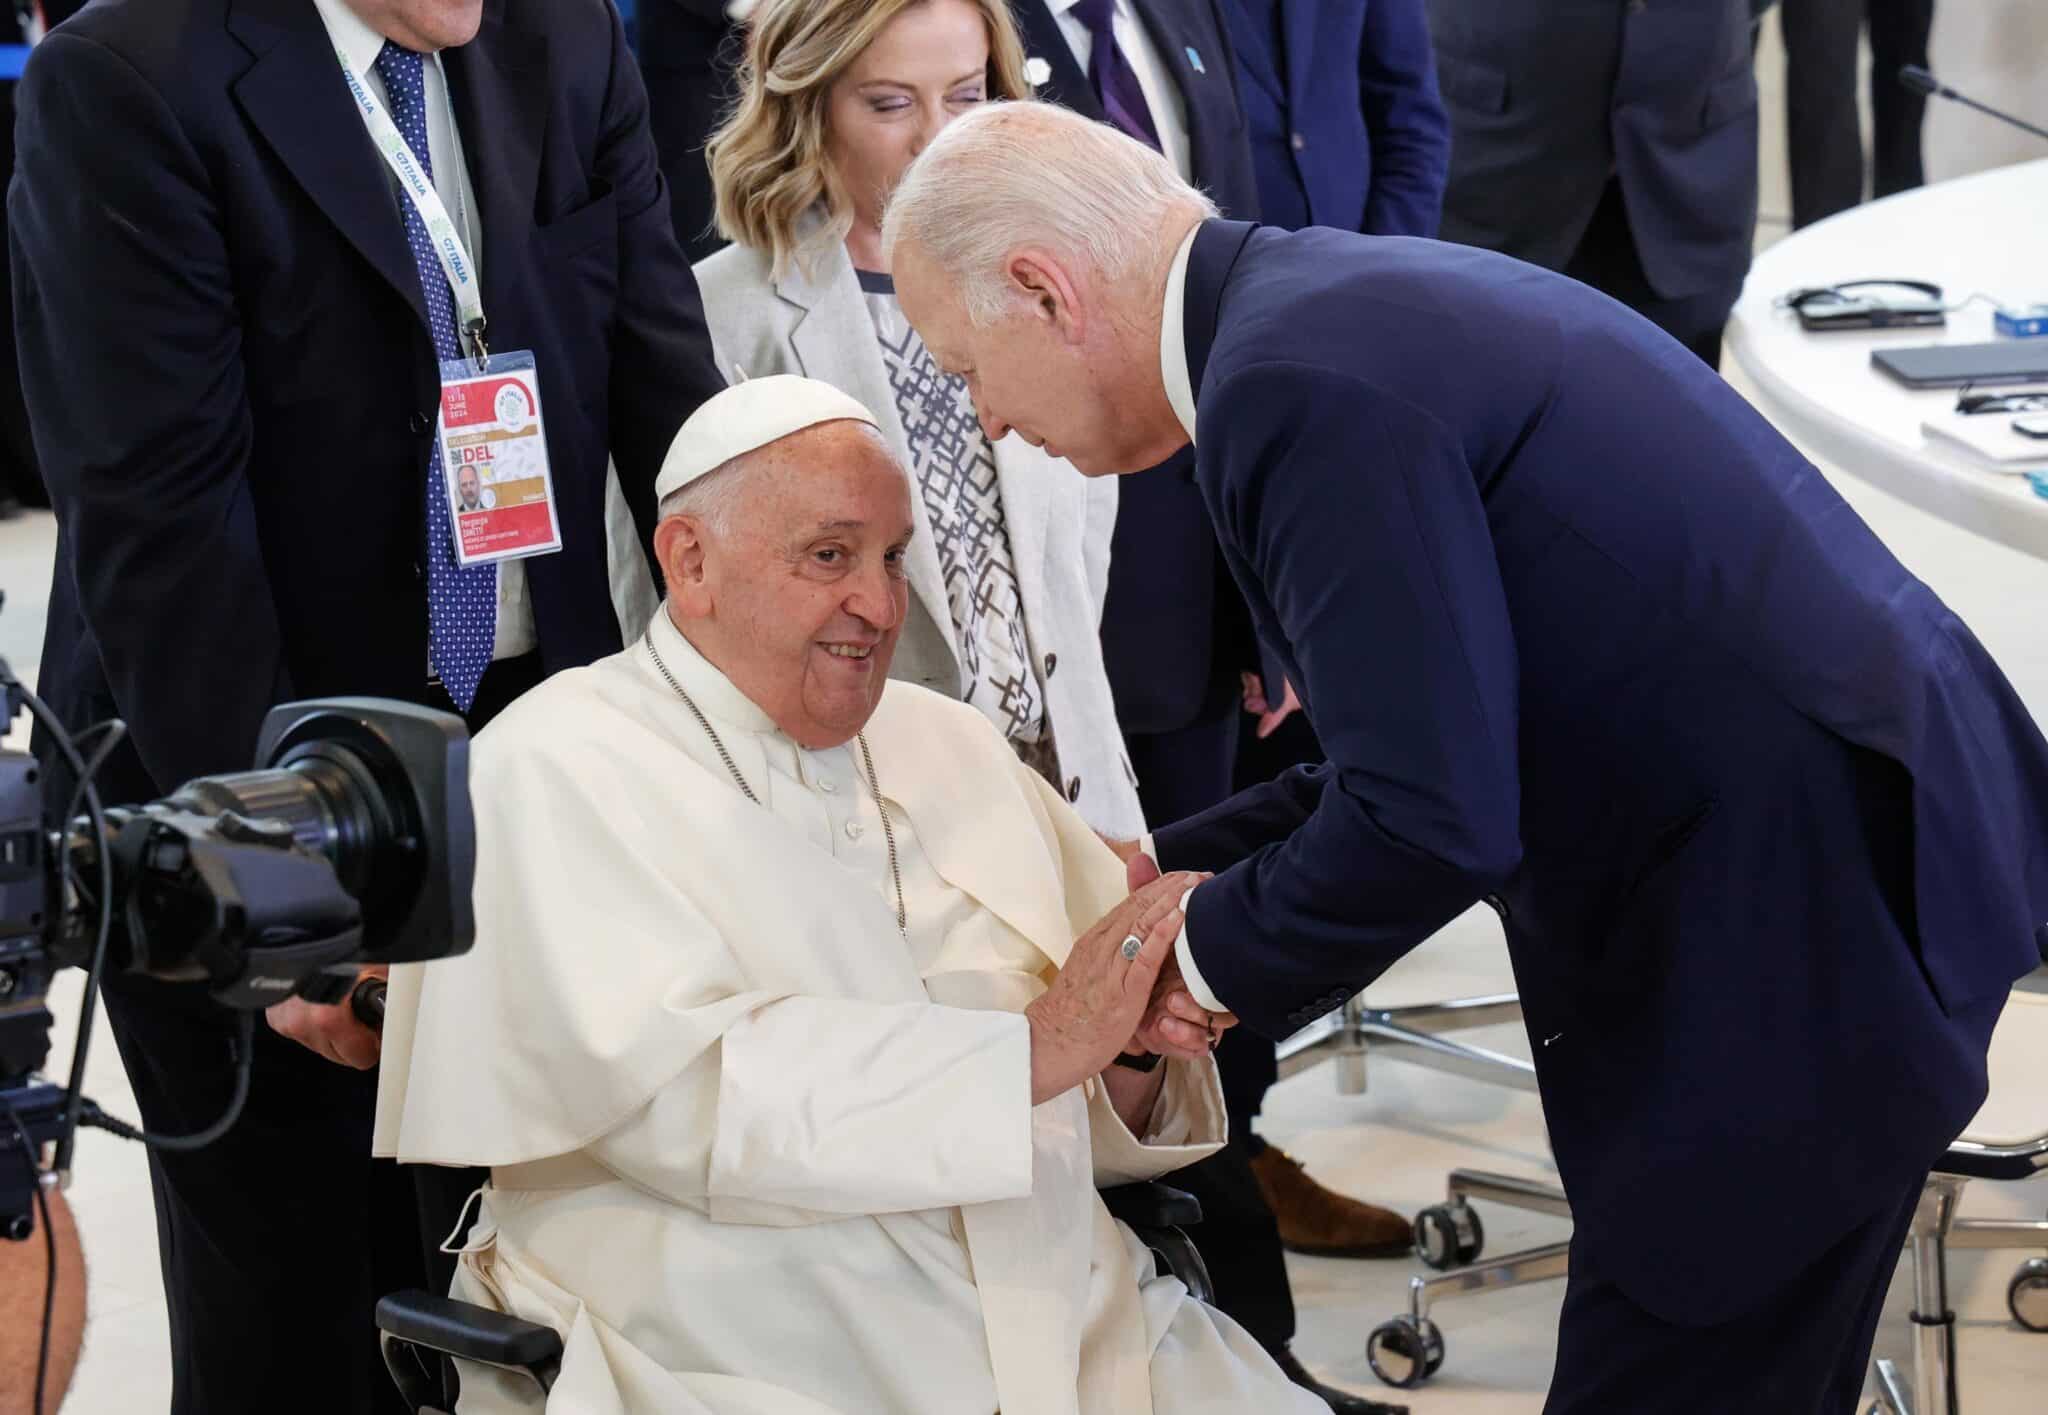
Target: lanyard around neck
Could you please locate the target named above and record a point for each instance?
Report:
(447, 242)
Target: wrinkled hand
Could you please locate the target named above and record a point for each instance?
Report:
(1270, 716)
(1088, 1014)
(1174, 1023)
(332, 1031)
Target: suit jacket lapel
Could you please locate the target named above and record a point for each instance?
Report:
(1258, 54)
(1044, 39)
(1179, 57)
(496, 82)
(296, 98)
(1298, 29)
(834, 321)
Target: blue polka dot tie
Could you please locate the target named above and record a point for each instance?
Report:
(462, 601)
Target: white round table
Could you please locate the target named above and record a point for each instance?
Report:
(1979, 233)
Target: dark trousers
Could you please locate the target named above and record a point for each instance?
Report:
(1803, 1347)
(1606, 259)
(1239, 1239)
(1186, 770)
(277, 1240)
(1823, 133)
(21, 477)
(1246, 1059)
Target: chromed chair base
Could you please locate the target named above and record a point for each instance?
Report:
(1407, 1350)
(1412, 1034)
(1935, 1231)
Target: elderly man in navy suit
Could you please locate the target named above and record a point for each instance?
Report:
(1585, 638)
(218, 279)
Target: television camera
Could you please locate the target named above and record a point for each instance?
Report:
(351, 842)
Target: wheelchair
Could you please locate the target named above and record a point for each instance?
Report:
(423, 1334)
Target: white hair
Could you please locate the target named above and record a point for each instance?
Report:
(1008, 175)
(713, 498)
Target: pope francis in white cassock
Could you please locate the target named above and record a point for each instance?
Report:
(744, 1038)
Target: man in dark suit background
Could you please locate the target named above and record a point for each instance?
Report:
(1174, 634)
(21, 481)
(216, 278)
(1347, 128)
(1614, 140)
(1823, 131)
(1586, 638)
(688, 51)
(1347, 131)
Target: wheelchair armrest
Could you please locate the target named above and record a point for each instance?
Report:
(1152, 1205)
(465, 1330)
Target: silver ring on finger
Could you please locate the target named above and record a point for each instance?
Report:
(1132, 946)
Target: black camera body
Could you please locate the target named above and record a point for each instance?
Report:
(352, 842)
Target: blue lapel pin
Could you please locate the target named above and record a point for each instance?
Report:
(1196, 59)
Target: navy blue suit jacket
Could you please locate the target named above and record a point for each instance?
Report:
(1579, 631)
(1174, 635)
(231, 379)
(1346, 126)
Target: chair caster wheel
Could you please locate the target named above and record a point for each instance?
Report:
(2027, 1296)
(1449, 1236)
(1404, 1353)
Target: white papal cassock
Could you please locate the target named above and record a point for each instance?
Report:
(751, 1150)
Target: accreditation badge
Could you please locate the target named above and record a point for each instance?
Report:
(494, 457)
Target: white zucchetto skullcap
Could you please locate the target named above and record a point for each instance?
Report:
(747, 416)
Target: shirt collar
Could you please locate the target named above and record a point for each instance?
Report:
(351, 34)
(1173, 344)
(704, 681)
(1120, 9)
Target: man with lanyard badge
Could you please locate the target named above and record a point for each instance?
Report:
(224, 281)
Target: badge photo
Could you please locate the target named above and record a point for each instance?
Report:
(494, 449)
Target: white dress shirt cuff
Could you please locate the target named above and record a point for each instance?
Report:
(1189, 973)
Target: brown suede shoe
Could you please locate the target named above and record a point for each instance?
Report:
(1322, 1222)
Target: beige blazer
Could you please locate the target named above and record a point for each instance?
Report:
(816, 324)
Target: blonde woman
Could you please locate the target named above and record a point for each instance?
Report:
(1011, 558)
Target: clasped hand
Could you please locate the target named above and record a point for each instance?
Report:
(1102, 1003)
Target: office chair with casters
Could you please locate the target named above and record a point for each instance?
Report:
(2007, 1141)
(424, 1335)
(1449, 1237)
(1407, 1350)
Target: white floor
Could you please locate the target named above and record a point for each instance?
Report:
(1396, 1142)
